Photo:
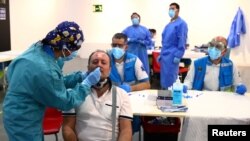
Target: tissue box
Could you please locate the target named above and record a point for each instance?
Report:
(164, 98)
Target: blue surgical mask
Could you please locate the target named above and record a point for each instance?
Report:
(70, 57)
(135, 21)
(117, 52)
(214, 53)
(171, 13)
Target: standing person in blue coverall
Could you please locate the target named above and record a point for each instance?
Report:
(139, 38)
(35, 81)
(127, 71)
(174, 38)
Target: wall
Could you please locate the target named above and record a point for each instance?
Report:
(32, 19)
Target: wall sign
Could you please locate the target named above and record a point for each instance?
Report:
(97, 8)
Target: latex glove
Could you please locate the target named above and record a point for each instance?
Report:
(84, 75)
(241, 89)
(141, 42)
(132, 40)
(158, 59)
(176, 60)
(185, 88)
(125, 87)
(92, 78)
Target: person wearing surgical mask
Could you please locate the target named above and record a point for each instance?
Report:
(174, 38)
(139, 38)
(127, 70)
(35, 82)
(215, 72)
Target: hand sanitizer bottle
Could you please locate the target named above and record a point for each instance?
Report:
(177, 93)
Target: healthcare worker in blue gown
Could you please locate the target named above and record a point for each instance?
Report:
(35, 81)
(139, 38)
(174, 38)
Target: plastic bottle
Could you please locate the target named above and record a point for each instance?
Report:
(177, 92)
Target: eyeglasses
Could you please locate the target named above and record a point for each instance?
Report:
(218, 45)
(117, 45)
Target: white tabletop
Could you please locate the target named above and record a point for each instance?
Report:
(144, 104)
(9, 55)
(204, 108)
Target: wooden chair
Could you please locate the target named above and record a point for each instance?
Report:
(52, 121)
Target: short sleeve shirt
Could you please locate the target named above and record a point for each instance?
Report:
(94, 115)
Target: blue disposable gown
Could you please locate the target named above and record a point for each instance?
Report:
(174, 38)
(36, 81)
(238, 27)
(139, 38)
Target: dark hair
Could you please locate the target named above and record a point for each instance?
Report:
(176, 5)
(152, 30)
(136, 14)
(99, 50)
(120, 36)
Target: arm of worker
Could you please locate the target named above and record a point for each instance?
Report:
(140, 86)
(182, 39)
(70, 80)
(125, 130)
(52, 91)
(190, 77)
(68, 128)
(146, 41)
(236, 76)
(142, 77)
(125, 117)
(239, 87)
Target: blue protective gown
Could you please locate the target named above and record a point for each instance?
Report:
(36, 81)
(174, 38)
(238, 27)
(139, 38)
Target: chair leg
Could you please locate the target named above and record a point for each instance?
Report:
(56, 137)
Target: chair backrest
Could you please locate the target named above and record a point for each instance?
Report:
(155, 64)
(52, 113)
(52, 121)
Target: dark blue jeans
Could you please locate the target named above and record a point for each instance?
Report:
(136, 124)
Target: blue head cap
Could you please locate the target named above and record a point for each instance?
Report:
(66, 35)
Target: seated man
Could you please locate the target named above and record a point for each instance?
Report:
(215, 72)
(92, 120)
(127, 70)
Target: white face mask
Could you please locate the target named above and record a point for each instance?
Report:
(171, 13)
(117, 52)
(71, 56)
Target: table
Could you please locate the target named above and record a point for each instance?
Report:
(204, 108)
(7, 56)
(144, 104)
(214, 108)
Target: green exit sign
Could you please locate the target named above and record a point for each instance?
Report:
(97, 8)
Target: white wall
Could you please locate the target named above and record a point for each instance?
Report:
(32, 19)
